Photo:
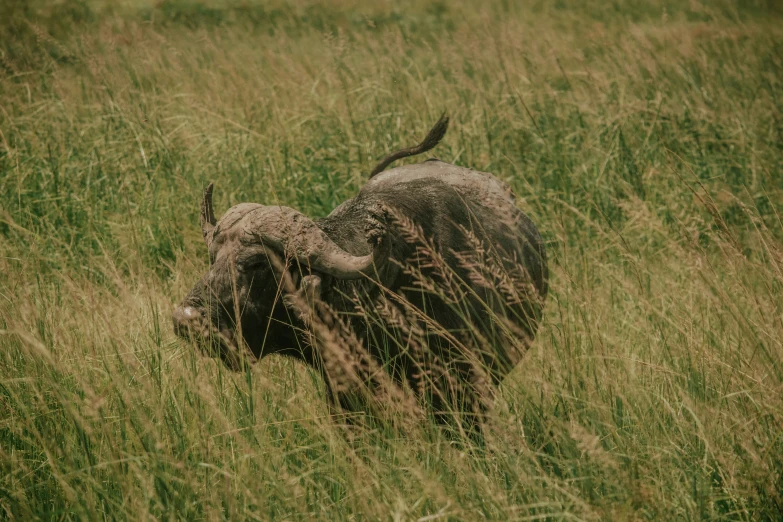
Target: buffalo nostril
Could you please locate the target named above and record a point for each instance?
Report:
(184, 318)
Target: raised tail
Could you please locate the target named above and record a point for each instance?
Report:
(434, 136)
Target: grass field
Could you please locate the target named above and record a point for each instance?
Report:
(644, 138)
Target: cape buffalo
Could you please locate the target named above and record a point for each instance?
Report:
(429, 280)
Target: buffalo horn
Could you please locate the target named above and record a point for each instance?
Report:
(207, 216)
(297, 235)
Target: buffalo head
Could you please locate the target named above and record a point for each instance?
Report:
(237, 311)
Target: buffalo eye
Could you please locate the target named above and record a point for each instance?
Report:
(251, 264)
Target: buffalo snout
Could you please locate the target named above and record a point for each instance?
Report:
(187, 321)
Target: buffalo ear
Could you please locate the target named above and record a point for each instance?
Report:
(207, 216)
(310, 287)
(303, 300)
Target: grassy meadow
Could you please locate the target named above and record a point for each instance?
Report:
(644, 138)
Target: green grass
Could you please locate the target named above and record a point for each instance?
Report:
(644, 138)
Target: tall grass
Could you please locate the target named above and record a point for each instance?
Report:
(644, 138)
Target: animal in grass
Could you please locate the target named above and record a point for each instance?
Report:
(428, 284)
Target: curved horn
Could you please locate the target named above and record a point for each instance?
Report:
(292, 232)
(207, 216)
